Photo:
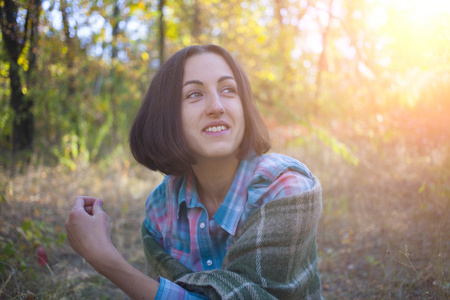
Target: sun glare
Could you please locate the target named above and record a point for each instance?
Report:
(421, 15)
(416, 39)
(419, 28)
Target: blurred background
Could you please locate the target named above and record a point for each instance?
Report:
(357, 90)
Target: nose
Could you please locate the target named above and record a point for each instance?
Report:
(215, 106)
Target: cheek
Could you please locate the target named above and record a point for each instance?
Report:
(239, 118)
(184, 115)
(243, 122)
(240, 115)
(187, 120)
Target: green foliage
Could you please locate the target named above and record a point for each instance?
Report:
(41, 233)
(305, 60)
(70, 151)
(338, 147)
(19, 254)
(12, 257)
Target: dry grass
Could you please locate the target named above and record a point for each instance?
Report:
(46, 194)
(384, 232)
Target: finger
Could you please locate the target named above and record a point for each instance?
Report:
(88, 200)
(97, 207)
(88, 209)
(82, 201)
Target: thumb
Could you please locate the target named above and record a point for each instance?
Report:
(97, 207)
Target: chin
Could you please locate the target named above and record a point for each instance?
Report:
(220, 154)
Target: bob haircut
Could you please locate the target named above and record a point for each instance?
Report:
(156, 137)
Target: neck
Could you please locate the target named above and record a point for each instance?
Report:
(214, 179)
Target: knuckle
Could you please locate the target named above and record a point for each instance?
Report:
(73, 217)
(103, 215)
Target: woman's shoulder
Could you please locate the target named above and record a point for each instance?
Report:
(277, 175)
(271, 166)
(166, 190)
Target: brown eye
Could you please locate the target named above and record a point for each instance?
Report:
(194, 95)
(229, 90)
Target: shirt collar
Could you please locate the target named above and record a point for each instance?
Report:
(188, 192)
(229, 213)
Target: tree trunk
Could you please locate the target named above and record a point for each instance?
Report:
(113, 90)
(161, 31)
(71, 88)
(70, 105)
(14, 41)
(196, 29)
(322, 63)
(23, 121)
(31, 76)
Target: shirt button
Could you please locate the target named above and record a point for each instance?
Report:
(209, 262)
(202, 225)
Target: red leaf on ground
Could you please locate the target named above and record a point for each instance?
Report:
(42, 256)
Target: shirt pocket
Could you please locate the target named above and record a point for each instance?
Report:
(182, 256)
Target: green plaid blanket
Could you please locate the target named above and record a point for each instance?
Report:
(273, 255)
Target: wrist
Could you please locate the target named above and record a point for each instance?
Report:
(129, 279)
(106, 260)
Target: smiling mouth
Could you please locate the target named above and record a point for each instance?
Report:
(216, 128)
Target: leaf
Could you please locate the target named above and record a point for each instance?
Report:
(145, 56)
(26, 225)
(422, 188)
(61, 239)
(8, 250)
(2, 197)
(42, 256)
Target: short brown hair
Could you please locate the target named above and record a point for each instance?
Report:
(156, 137)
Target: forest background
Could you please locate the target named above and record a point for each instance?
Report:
(357, 90)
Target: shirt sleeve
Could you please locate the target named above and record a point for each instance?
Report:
(277, 176)
(289, 183)
(169, 290)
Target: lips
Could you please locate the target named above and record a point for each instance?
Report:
(216, 126)
(216, 129)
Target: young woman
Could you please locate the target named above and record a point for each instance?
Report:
(227, 222)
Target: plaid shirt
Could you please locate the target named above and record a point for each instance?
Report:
(179, 222)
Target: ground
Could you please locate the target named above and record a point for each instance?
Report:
(384, 232)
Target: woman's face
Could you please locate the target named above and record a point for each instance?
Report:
(212, 115)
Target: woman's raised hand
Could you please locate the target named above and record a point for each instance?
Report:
(88, 231)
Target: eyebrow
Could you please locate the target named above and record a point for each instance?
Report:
(201, 83)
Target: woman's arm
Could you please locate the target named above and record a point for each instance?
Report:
(88, 232)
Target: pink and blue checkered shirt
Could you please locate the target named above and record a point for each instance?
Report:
(176, 218)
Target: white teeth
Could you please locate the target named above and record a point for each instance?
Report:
(216, 128)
